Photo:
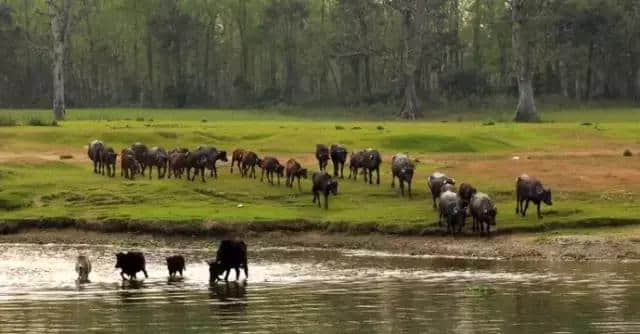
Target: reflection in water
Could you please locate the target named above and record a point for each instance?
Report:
(316, 291)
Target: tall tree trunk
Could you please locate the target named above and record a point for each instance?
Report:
(150, 80)
(414, 20)
(523, 58)
(60, 13)
(588, 79)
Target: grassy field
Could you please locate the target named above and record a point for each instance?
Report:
(582, 162)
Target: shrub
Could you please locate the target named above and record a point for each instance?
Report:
(380, 127)
(339, 127)
(627, 153)
(41, 122)
(7, 121)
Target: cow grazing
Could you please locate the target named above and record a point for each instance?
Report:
(83, 268)
(95, 154)
(338, 158)
(213, 155)
(175, 264)
(177, 164)
(322, 154)
(271, 166)
(129, 166)
(140, 150)
(325, 184)
(483, 211)
(435, 183)
(197, 160)
(402, 167)
(370, 163)
(130, 264)
(236, 157)
(295, 170)
(355, 163)
(452, 211)
(157, 157)
(108, 158)
(530, 189)
(466, 192)
(249, 161)
(231, 254)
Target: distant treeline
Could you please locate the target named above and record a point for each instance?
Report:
(221, 53)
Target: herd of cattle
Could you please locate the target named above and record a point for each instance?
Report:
(455, 205)
(231, 254)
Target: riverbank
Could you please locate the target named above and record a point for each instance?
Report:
(619, 244)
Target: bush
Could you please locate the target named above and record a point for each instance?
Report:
(41, 122)
(7, 121)
(627, 153)
(464, 83)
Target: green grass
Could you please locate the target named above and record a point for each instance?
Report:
(41, 188)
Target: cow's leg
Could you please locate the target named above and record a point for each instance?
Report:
(326, 200)
(409, 188)
(299, 187)
(342, 170)
(393, 180)
(378, 175)
(262, 176)
(202, 174)
(518, 203)
(539, 214)
(122, 275)
(237, 273)
(526, 206)
(434, 201)
(226, 276)
(402, 187)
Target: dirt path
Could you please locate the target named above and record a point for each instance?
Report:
(546, 247)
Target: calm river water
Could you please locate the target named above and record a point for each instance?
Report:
(315, 291)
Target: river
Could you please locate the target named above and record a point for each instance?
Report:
(296, 290)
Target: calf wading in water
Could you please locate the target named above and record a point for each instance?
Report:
(322, 155)
(295, 170)
(231, 254)
(325, 184)
(402, 167)
(130, 264)
(483, 212)
(83, 268)
(338, 158)
(530, 189)
(435, 183)
(175, 264)
(236, 157)
(95, 154)
(271, 166)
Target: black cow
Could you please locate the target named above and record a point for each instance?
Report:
(435, 183)
(452, 211)
(325, 184)
(140, 151)
(175, 264)
(213, 156)
(197, 160)
(95, 154)
(231, 254)
(322, 154)
(402, 167)
(338, 157)
(530, 189)
(131, 263)
(370, 163)
(108, 159)
(483, 211)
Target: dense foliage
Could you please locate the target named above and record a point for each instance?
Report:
(341, 52)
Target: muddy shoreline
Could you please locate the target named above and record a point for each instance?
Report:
(512, 246)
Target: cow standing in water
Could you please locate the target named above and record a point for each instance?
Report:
(83, 269)
(231, 254)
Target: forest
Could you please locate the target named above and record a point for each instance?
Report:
(411, 56)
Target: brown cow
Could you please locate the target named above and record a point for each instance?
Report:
(237, 156)
(325, 184)
(295, 170)
(129, 166)
(530, 189)
(177, 164)
(271, 165)
(355, 163)
(108, 158)
(338, 157)
(249, 161)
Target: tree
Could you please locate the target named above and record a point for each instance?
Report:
(414, 17)
(523, 45)
(61, 19)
